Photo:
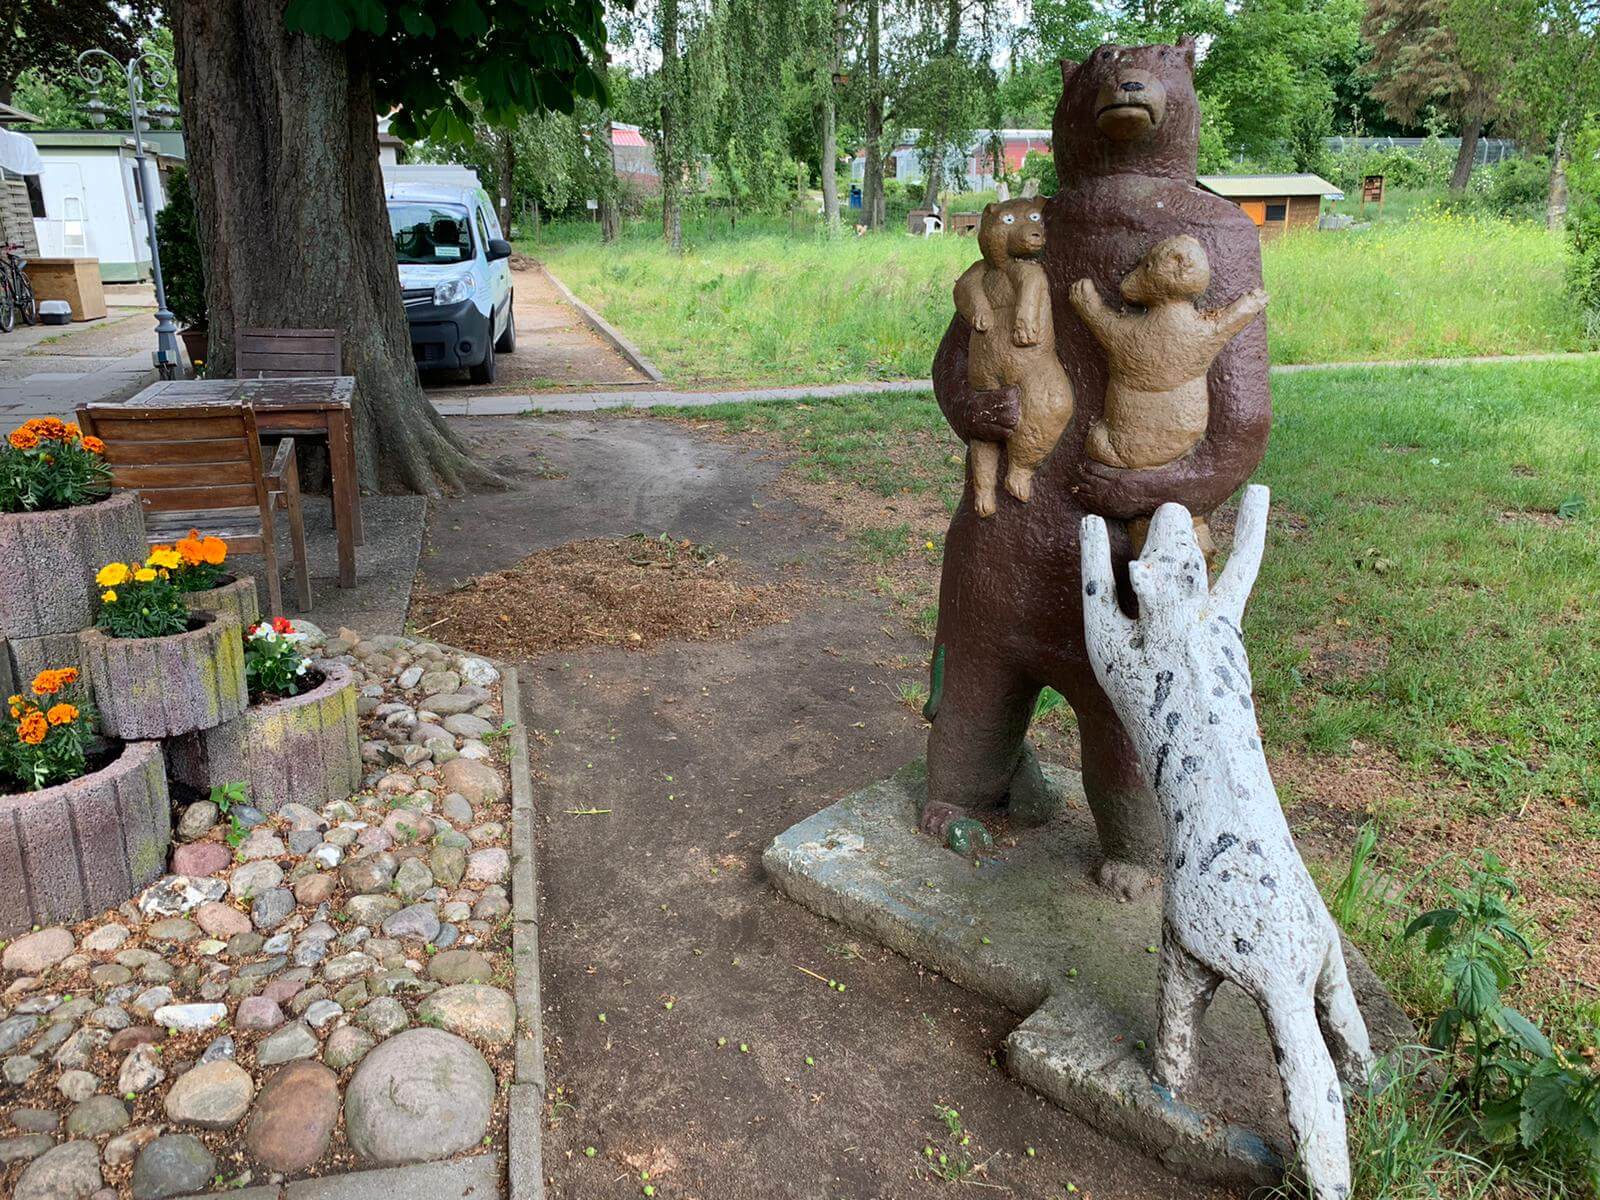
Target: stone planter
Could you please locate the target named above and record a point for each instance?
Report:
(23, 658)
(236, 596)
(49, 560)
(158, 687)
(78, 848)
(306, 749)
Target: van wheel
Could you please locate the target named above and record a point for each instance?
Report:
(508, 337)
(484, 371)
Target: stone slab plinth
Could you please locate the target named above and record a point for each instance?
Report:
(1028, 927)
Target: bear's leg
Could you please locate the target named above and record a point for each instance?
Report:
(977, 746)
(1099, 447)
(1019, 481)
(985, 474)
(1125, 812)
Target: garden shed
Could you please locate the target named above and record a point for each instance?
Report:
(1275, 202)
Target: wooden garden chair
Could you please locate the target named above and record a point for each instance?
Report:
(199, 467)
(286, 353)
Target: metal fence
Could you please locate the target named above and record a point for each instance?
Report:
(1490, 150)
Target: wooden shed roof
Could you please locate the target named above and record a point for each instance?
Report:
(1243, 187)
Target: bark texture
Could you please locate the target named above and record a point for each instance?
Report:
(161, 686)
(672, 158)
(49, 559)
(283, 160)
(304, 749)
(75, 849)
(1466, 156)
(872, 177)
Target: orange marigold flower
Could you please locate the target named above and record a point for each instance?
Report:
(214, 550)
(32, 728)
(73, 432)
(94, 445)
(52, 429)
(50, 681)
(62, 714)
(191, 549)
(24, 438)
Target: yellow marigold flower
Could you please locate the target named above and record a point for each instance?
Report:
(94, 445)
(164, 557)
(24, 438)
(109, 596)
(62, 714)
(143, 575)
(32, 728)
(112, 575)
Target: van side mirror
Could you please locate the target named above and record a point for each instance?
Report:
(497, 249)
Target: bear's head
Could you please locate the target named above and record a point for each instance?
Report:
(1128, 110)
(1176, 269)
(1011, 229)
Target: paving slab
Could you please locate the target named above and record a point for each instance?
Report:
(1028, 928)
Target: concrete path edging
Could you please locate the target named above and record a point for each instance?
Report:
(607, 331)
(580, 402)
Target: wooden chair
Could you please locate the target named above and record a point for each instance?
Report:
(286, 353)
(199, 467)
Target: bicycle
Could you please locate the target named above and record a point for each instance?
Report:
(16, 292)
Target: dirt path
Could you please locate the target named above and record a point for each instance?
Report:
(657, 913)
(554, 348)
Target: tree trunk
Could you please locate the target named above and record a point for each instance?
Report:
(610, 216)
(1467, 156)
(671, 97)
(508, 176)
(1555, 208)
(872, 177)
(830, 125)
(283, 160)
(940, 142)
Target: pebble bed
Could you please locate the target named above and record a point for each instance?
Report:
(308, 992)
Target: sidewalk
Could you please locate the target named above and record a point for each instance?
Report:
(49, 370)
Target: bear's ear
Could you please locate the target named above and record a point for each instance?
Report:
(1068, 69)
(1186, 44)
(1030, 189)
(1002, 193)
(990, 208)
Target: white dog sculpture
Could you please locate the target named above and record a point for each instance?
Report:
(1238, 902)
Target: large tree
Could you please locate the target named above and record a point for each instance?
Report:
(45, 37)
(1417, 63)
(280, 100)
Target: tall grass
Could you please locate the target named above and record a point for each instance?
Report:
(754, 302)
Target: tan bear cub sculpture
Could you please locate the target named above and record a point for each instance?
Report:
(1006, 299)
(1157, 404)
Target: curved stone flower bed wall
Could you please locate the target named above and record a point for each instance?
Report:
(236, 596)
(48, 560)
(80, 847)
(158, 687)
(305, 749)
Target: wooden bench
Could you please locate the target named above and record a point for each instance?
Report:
(286, 353)
(200, 467)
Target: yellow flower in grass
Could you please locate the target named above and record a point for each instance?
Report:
(109, 596)
(62, 714)
(165, 557)
(144, 575)
(112, 575)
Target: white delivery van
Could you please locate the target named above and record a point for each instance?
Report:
(455, 273)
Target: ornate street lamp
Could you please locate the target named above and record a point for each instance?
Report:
(135, 70)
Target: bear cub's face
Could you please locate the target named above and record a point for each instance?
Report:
(1011, 229)
(1174, 270)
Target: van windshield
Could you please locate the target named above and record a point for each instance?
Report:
(430, 234)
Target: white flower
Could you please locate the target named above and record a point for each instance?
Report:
(301, 669)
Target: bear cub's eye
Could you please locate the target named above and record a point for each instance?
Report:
(1033, 216)
(1008, 219)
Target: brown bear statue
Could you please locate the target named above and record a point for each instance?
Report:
(1126, 136)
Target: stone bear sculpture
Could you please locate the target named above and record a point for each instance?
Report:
(1126, 134)
(1157, 404)
(1005, 299)
(1238, 903)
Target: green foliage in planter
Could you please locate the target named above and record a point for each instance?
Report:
(43, 733)
(140, 602)
(273, 664)
(46, 463)
(182, 269)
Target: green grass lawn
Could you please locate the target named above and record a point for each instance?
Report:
(758, 304)
(1424, 636)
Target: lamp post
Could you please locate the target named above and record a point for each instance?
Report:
(134, 70)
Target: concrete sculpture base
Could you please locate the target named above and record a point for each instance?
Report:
(1028, 928)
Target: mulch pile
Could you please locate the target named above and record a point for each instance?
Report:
(633, 592)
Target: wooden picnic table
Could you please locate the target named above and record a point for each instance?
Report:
(317, 406)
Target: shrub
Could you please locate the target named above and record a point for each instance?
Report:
(46, 463)
(142, 601)
(1583, 263)
(273, 664)
(183, 272)
(42, 739)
